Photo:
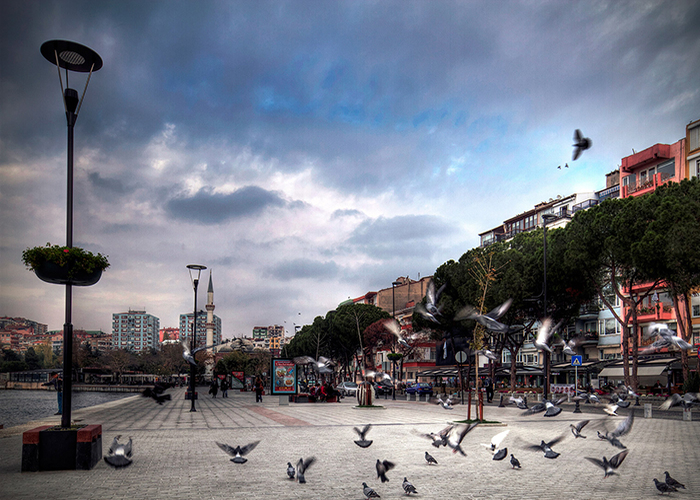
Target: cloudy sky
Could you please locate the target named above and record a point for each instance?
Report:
(309, 151)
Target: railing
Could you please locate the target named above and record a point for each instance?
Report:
(584, 205)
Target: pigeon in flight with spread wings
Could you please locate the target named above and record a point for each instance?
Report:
(576, 428)
(456, 436)
(382, 468)
(430, 310)
(189, 355)
(667, 338)
(119, 454)
(544, 333)
(609, 466)
(363, 442)
(622, 429)
(495, 446)
(323, 365)
(238, 452)
(393, 327)
(437, 440)
(581, 144)
(688, 400)
(488, 320)
(547, 447)
(302, 467)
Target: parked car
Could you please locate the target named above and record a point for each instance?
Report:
(383, 388)
(347, 388)
(420, 388)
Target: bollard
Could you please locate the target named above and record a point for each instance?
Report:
(500, 404)
(408, 397)
(578, 408)
(636, 402)
(647, 410)
(687, 415)
(284, 400)
(539, 396)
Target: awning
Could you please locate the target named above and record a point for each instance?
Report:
(642, 371)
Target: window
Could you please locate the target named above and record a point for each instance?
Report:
(667, 169)
(694, 139)
(696, 310)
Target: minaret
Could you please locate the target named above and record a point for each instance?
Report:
(209, 361)
(210, 312)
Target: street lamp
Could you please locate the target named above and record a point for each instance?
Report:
(194, 269)
(393, 362)
(545, 219)
(70, 56)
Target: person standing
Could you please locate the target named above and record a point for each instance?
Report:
(224, 388)
(57, 383)
(489, 389)
(213, 388)
(258, 390)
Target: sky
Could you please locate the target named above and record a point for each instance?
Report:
(306, 151)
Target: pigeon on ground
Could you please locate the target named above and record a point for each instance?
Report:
(290, 470)
(688, 400)
(408, 487)
(302, 467)
(119, 454)
(547, 447)
(514, 462)
(238, 452)
(663, 487)
(362, 442)
(383, 468)
(672, 482)
(609, 466)
(456, 435)
(581, 144)
(576, 429)
(622, 429)
(496, 441)
(369, 492)
(429, 458)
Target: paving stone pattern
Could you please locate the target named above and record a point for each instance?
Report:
(175, 456)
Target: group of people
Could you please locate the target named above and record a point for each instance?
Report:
(324, 392)
(214, 388)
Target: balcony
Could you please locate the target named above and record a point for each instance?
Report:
(584, 205)
(655, 313)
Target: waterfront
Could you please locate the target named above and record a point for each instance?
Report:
(18, 407)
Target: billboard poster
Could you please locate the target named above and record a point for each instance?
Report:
(283, 376)
(237, 380)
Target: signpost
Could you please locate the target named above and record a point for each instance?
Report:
(576, 361)
(461, 357)
(284, 376)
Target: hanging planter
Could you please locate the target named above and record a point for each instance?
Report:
(65, 266)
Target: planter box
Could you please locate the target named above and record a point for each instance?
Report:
(53, 273)
(52, 448)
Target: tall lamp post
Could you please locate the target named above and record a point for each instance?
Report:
(393, 362)
(546, 218)
(70, 56)
(194, 269)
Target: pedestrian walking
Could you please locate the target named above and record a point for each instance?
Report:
(489, 389)
(57, 383)
(258, 390)
(224, 388)
(213, 388)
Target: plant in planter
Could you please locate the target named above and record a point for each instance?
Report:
(64, 265)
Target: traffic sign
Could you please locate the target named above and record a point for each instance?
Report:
(576, 360)
(461, 357)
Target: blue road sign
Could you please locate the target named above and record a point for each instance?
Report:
(576, 360)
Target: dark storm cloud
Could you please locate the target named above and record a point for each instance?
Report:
(405, 235)
(303, 269)
(106, 184)
(213, 208)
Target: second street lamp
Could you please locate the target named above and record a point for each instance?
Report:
(546, 218)
(194, 269)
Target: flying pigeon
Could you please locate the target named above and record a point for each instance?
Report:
(238, 452)
(609, 466)
(429, 458)
(189, 355)
(622, 429)
(669, 336)
(688, 400)
(430, 310)
(445, 404)
(119, 454)
(157, 397)
(514, 462)
(672, 482)
(544, 332)
(437, 440)
(302, 467)
(581, 144)
(496, 441)
(456, 435)
(408, 487)
(383, 468)
(489, 354)
(552, 407)
(519, 401)
(663, 487)
(488, 320)
(290, 470)
(323, 365)
(393, 327)
(569, 347)
(576, 429)
(500, 454)
(369, 492)
(587, 398)
(611, 410)
(547, 448)
(362, 442)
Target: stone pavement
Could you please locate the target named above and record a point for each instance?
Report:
(175, 456)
